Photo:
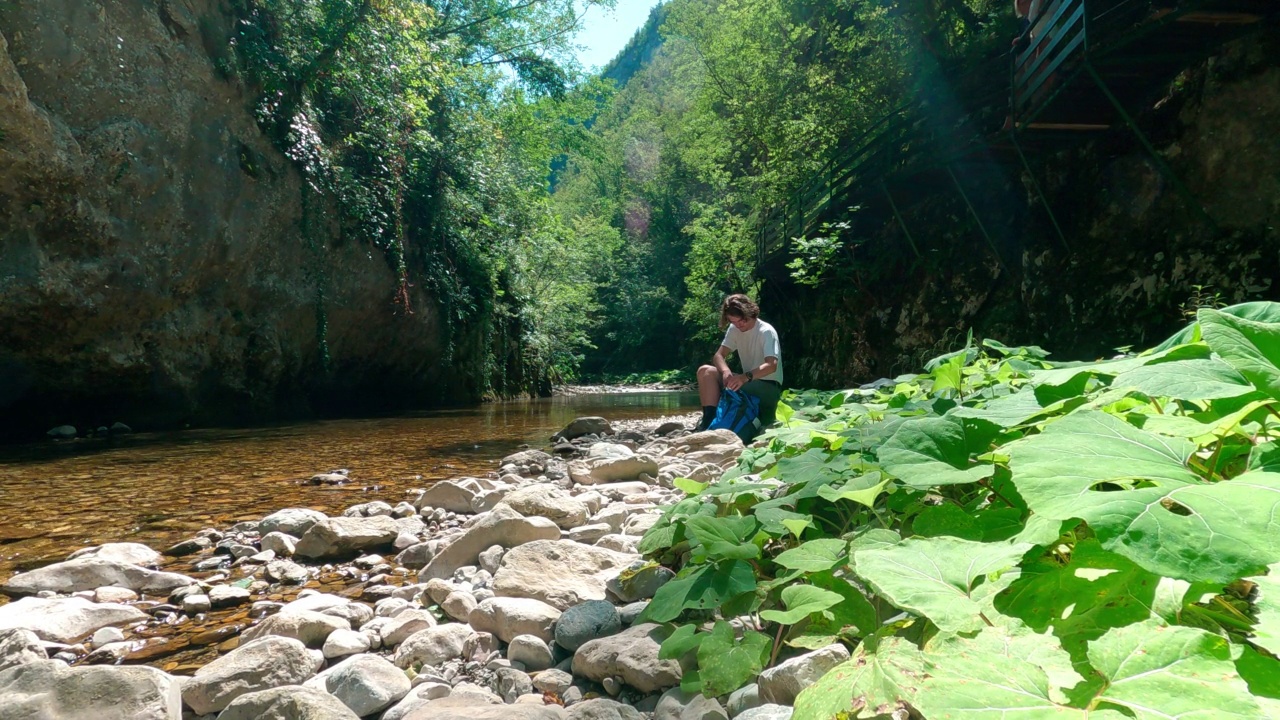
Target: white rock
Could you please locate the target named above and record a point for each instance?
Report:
(291, 702)
(18, 647)
(503, 526)
(561, 573)
(310, 628)
(268, 663)
(766, 712)
(619, 543)
(550, 502)
(595, 471)
(554, 681)
(609, 450)
(65, 620)
(290, 521)
(49, 689)
(603, 709)
(110, 594)
(531, 651)
(631, 655)
(675, 704)
(107, 635)
(433, 645)
(357, 614)
(221, 596)
(461, 706)
(451, 495)
(123, 552)
(314, 602)
(782, 683)
(399, 628)
(344, 536)
(280, 543)
(420, 695)
(622, 490)
(367, 684)
(90, 573)
(588, 534)
(459, 605)
(342, 643)
(507, 617)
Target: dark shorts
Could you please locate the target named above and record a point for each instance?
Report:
(768, 391)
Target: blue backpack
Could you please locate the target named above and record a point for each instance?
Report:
(737, 411)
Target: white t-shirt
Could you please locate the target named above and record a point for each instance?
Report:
(754, 345)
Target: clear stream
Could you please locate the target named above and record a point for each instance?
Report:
(159, 488)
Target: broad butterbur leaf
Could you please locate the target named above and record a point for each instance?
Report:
(931, 451)
(1250, 346)
(1266, 633)
(866, 685)
(1160, 671)
(814, 556)
(948, 580)
(1142, 501)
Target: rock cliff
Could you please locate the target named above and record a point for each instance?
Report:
(158, 261)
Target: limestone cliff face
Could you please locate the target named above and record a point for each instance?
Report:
(155, 265)
(1138, 258)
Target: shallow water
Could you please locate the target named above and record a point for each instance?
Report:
(162, 487)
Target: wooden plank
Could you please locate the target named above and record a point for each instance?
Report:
(1219, 18)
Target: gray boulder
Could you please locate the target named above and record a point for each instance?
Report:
(367, 684)
(782, 683)
(550, 502)
(89, 573)
(508, 617)
(342, 537)
(603, 709)
(631, 655)
(591, 425)
(309, 628)
(433, 646)
(291, 702)
(766, 712)
(501, 526)
(587, 621)
(267, 663)
(676, 704)
(123, 552)
(561, 573)
(19, 647)
(639, 582)
(530, 651)
(65, 620)
(466, 707)
(290, 521)
(49, 689)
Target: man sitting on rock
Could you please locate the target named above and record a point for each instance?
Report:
(760, 353)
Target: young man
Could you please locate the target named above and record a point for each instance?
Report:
(760, 353)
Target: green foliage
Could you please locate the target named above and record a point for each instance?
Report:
(1006, 536)
(400, 115)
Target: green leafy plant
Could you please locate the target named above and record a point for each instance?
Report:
(1004, 536)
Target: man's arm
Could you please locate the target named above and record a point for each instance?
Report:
(766, 368)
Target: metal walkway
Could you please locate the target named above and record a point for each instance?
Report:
(1090, 66)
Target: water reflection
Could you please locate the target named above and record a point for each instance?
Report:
(158, 488)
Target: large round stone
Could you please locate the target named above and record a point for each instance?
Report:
(587, 621)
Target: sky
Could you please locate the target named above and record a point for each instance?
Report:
(605, 32)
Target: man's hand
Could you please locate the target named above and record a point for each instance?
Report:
(735, 382)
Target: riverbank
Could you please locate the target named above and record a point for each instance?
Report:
(520, 589)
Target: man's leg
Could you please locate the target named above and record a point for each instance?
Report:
(708, 394)
(769, 393)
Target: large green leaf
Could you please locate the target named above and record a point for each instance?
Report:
(1010, 410)
(703, 588)
(998, 673)
(1162, 671)
(862, 489)
(813, 466)
(724, 537)
(1262, 674)
(853, 615)
(867, 685)
(1203, 378)
(948, 580)
(946, 519)
(801, 601)
(1266, 633)
(932, 451)
(814, 556)
(726, 664)
(1168, 520)
(1250, 346)
(1098, 590)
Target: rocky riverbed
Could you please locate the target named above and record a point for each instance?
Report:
(509, 596)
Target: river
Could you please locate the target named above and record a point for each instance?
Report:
(158, 488)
